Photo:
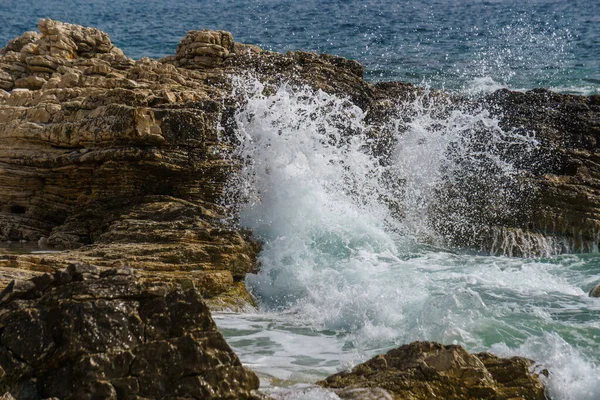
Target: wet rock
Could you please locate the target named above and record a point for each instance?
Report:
(595, 292)
(426, 370)
(73, 336)
(563, 172)
(124, 161)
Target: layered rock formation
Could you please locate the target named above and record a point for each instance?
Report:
(83, 333)
(99, 149)
(565, 171)
(428, 370)
(129, 159)
(124, 162)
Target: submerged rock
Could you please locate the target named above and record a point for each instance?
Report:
(86, 333)
(427, 370)
(595, 292)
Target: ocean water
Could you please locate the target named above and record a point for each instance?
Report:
(478, 44)
(344, 274)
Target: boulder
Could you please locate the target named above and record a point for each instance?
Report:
(427, 370)
(86, 332)
(595, 292)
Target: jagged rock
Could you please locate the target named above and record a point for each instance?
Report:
(125, 160)
(595, 292)
(18, 43)
(82, 334)
(426, 370)
(566, 173)
(204, 49)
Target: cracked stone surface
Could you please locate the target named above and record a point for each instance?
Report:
(429, 370)
(83, 333)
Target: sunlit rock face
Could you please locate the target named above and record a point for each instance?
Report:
(425, 370)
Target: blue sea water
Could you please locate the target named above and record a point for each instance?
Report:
(342, 278)
(444, 43)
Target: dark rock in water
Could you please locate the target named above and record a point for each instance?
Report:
(86, 334)
(595, 292)
(564, 172)
(428, 370)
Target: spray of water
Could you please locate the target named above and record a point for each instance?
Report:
(460, 171)
(339, 259)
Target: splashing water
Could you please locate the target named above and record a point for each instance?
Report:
(345, 276)
(459, 170)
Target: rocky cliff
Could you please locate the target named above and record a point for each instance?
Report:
(124, 160)
(123, 163)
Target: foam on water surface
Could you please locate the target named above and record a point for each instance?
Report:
(344, 276)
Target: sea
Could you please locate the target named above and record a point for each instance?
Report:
(344, 276)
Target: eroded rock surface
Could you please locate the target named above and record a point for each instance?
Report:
(121, 156)
(125, 161)
(428, 370)
(566, 171)
(88, 333)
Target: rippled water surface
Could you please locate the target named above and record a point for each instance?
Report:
(521, 44)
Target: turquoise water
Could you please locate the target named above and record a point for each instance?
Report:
(452, 44)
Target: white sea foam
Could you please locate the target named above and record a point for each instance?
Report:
(342, 276)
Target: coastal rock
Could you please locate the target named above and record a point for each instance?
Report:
(126, 161)
(563, 172)
(204, 49)
(426, 370)
(86, 333)
(595, 292)
(122, 157)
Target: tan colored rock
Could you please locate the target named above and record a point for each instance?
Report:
(6, 81)
(246, 49)
(17, 43)
(204, 49)
(30, 82)
(428, 370)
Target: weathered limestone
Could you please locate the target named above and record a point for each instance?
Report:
(86, 333)
(123, 155)
(125, 161)
(204, 49)
(427, 370)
